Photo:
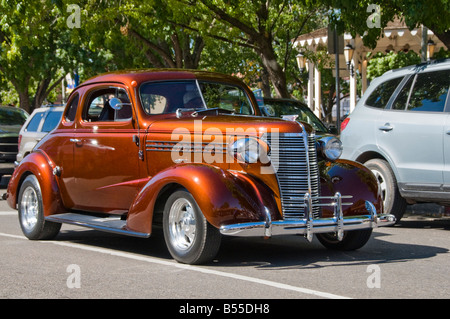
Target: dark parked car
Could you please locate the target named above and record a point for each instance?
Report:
(274, 107)
(11, 121)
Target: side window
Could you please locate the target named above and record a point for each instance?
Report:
(403, 95)
(381, 95)
(51, 121)
(33, 125)
(99, 109)
(72, 109)
(430, 92)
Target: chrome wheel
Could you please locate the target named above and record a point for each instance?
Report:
(189, 237)
(29, 208)
(182, 224)
(31, 212)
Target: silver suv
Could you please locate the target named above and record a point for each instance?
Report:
(400, 129)
(40, 122)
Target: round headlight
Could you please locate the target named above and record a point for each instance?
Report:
(246, 150)
(330, 147)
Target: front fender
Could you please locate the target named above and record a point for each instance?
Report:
(349, 178)
(224, 197)
(39, 165)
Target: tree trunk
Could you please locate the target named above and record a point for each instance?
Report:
(276, 74)
(24, 100)
(444, 37)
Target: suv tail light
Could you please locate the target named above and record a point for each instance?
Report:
(344, 123)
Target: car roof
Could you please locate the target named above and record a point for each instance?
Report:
(46, 108)
(140, 76)
(430, 65)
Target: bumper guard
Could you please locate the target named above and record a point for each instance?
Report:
(309, 226)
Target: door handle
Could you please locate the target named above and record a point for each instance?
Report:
(75, 140)
(386, 127)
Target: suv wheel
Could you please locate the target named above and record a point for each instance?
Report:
(188, 235)
(393, 202)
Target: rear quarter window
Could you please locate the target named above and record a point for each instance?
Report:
(381, 95)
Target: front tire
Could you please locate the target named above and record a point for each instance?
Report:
(352, 240)
(393, 202)
(188, 235)
(31, 212)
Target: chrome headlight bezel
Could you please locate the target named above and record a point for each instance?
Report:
(247, 150)
(329, 147)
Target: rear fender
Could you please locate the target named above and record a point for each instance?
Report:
(39, 165)
(224, 197)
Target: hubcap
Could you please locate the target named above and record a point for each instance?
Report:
(382, 183)
(29, 208)
(182, 224)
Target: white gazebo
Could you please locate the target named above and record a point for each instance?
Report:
(396, 37)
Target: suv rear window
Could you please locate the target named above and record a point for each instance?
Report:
(381, 95)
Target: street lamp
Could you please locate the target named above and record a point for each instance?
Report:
(301, 61)
(348, 54)
(430, 49)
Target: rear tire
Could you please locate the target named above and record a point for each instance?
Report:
(393, 202)
(352, 240)
(188, 235)
(31, 212)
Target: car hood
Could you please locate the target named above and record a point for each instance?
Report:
(226, 123)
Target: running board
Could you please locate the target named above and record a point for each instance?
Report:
(107, 224)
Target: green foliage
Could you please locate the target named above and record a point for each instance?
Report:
(381, 63)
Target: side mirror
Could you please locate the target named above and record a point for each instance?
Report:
(116, 103)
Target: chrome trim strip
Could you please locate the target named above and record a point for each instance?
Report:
(309, 217)
(338, 214)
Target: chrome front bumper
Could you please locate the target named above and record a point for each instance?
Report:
(309, 225)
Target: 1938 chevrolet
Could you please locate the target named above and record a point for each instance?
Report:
(189, 150)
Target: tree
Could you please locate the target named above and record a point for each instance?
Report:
(370, 16)
(381, 63)
(266, 27)
(38, 48)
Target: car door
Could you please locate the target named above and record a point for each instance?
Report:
(106, 167)
(410, 132)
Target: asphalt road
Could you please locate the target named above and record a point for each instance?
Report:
(409, 260)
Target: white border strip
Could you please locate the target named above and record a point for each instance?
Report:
(154, 260)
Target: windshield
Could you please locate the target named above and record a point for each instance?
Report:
(287, 107)
(11, 116)
(169, 96)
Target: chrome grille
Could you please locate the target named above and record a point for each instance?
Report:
(288, 156)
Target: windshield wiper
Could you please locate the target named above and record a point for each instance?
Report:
(215, 111)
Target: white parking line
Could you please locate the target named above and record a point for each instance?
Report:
(190, 267)
(8, 213)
